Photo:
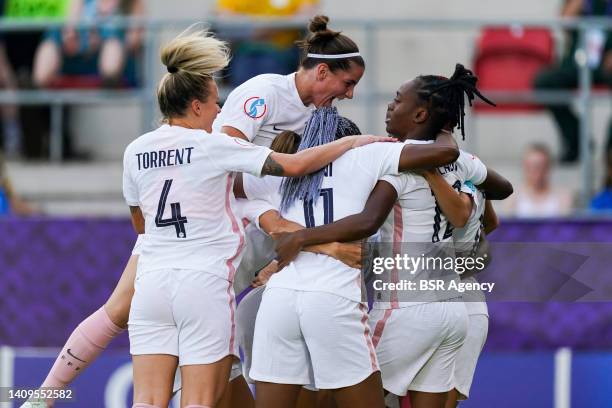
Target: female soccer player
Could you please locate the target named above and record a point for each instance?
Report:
(318, 294)
(262, 107)
(469, 242)
(330, 69)
(178, 183)
(425, 366)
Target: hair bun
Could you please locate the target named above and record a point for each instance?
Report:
(318, 23)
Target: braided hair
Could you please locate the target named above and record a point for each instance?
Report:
(324, 126)
(446, 97)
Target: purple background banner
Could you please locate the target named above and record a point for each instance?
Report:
(55, 272)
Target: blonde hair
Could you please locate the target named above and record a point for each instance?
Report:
(191, 58)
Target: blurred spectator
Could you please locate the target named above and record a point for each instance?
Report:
(98, 50)
(11, 127)
(20, 49)
(565, 75)
(603, 200)
(10, 203)
(264, 50)
(536, 197)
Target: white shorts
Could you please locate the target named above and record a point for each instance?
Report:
(417, 346)
(312, 338)
(184, 313)
(465, 366)
(246, 313)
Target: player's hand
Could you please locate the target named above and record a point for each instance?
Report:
(288, 246)
(264, 275)
(362, 140)
(348, 253)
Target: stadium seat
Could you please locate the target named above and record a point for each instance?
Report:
(507, 59)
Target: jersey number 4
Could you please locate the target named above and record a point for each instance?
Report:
(177, 220)
(328, 208)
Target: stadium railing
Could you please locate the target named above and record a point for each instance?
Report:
(369, 95)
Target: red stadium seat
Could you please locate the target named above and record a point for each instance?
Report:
(82, 82)
(507, 59)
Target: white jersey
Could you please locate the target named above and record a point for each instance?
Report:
(264, 106)
(181, 179)
(346, 187)
(259, 247)
(417, 217)
(466, 240)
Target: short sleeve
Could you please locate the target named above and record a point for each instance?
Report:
(264, 188)
(473, 168)
(130, 189)
(468, 188)
(234, 154)
(247, 108)
(253, 209)
(398, 182)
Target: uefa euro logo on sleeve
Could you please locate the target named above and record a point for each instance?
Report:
(255, 107)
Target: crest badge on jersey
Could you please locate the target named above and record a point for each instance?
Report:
(255, 107)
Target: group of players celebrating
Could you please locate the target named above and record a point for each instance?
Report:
(276, 191)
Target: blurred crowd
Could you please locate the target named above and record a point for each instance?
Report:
(109, 56)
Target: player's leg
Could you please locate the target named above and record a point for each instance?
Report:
(368, 393)
(153, 338)
(338, 336)
(207, 341)
(237, 394)
(308, 398)
(153, 379)
(452, 399)
(94, 333)
(118, 304)
(281, 363)
(427, 399)
(204, 384)
(467, 357)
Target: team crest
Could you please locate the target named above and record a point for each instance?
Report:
(255, 107)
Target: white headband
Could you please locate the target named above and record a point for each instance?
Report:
(334, 56)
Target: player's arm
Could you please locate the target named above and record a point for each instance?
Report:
(138, 221)
(349, 253)
(483, 254)
(239, 187)
(422, 156)
(455, 205)
(352, 228)
(495, 186)
(315, 158)
(490, 220)
(233, 132)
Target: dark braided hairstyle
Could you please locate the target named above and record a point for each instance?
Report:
(324, 126)
(446, 97)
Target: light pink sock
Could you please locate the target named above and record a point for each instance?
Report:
(143, 405)
(84, 345)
